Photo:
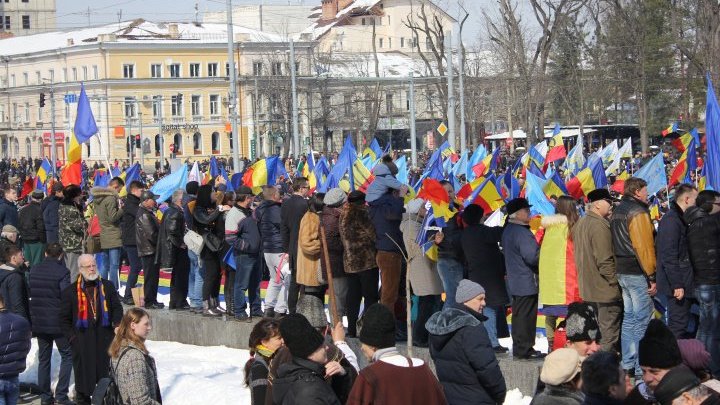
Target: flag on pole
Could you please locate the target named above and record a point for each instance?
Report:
(669, 130)
(556, 147)
(168, 184)
(712, 136)
(85, 126)
(654, 174)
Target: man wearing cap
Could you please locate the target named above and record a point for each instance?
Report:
(681, 387)
(460, 347)
(246, 250)
(595, 263)
(172, 251)
(50, 206)
(8, 237)
(146, 234)
(562, 378)
(32, 228)
(581, 329)
(522, 255)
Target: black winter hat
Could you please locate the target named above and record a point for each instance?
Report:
(204, 199)
(192, 187)
(299, 336)
(516, 205)
(659, 348)
(581, 323)
(377, 327)
(356, 197)
(678, 380)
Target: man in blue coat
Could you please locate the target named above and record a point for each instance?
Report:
(460, 347)
(522, 255)
(14, 347)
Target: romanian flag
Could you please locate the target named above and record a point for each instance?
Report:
(261, 173)
(686, 165)
(555, 186)
(434, 192)
(373, 151)
(654, 209)
(102, 178)
(423, 237)
(587, 180)
(467, 189)
(361, 176)
(446, 150)
(556, 147)
(72, 171)
(490, 162)
(486, 196)
(508, 186)
(682, 142)
(619, 185)
(43, 172)
(669, 130)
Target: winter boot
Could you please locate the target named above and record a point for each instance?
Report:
(269, 313)
(208, 310)
(216, 306)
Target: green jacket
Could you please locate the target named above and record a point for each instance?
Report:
(594, 260)
(107, 208)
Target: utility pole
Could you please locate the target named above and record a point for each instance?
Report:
(296, 131)
(451, 92)
(463, 140)
(160, 132)
(413, 139)
(131, 141)
(232, 105)
(257, 119)
(142, 152)
(53, 153)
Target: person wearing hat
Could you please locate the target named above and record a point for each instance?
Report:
(522, 255)
(246, 249)
(32, 228)
(562, 378)
(330, 221)
(291, 213)
(461, 350)
(50, 206)
(8, 237)
(357, 234)
(391, 378)
(146, 234)
(595, 264)
(579, 330)
(72, 227)
(303, 379)
(680, 386)
(8, 208)
(696, 357)
(172, 254)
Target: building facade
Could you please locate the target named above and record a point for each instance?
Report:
(27, 17)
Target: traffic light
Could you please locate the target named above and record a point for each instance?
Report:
(137, 140)
(42, 100)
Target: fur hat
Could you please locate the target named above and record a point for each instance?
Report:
(299, 336)
(659, 348)
(516, 205)
(378, 327)
(581, 323)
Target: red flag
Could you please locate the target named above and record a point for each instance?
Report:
(71, 174)
(27, 187)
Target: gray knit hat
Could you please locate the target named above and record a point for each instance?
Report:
(467, 290)
(334, 197)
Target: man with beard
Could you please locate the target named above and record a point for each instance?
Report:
(90, 309)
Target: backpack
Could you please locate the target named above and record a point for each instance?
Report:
(107, 391)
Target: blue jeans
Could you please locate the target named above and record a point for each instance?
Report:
(491, 324)
(111, 265)
(246, 280)
(45, 346)
(637, 312)
(9, 391)
(451, 272)
(708, 297)
(195, 281)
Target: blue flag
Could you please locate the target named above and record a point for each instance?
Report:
(229, 259)
(654, 173)
(214, 171)
(102, 178)
(477, 157)
(712, 136)
(536, 196)
(85, 126)
(168, 184)
(402, 175)
(228, 184)
(235, 181)
(131, 174)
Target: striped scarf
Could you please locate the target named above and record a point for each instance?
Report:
(82, 321)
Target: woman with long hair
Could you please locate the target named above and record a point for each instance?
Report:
(558, 276)
(134, 368)
(264, 340)
(309, 275)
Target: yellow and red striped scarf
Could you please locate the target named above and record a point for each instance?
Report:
(82, 321)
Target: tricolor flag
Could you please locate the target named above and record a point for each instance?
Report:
(587, 180)
(556, 147)
(669, 130)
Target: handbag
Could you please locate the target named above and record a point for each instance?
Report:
(194, 241)
(213, 243)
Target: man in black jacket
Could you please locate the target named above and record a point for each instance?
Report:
(127, 228)
(291, 212)
(8, 209)
(12, 282)
(32, 229)
(146, 234)
(674, 272)
(47, 281)
(269, 223)
(172, 253)
(246, 251)
(50, 206)
(704, 247)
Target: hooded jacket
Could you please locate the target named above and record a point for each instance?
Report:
(127, 223)
(107, 208)
(703, 237)
(302, 382)
(14, 291)
(72, 227)
(47, 281)
(30, 223)
(673, 260)
(384, 181)
(386, 214)
(464, 358)
(269, 219)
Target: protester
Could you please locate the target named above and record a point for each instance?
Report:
(422, 272)
(8, 237)
(385, 180)
(173, 253)
(72, 227)
(562, 378)
(595, 262)
(246, 250)
(674, 271)
(695, 357)
(450, 253)
(269, 218)
(330, 222)
(681, 384)
(32, 228)
(90, 309)
(197, 272)
(50, 206)
(462, 352)
(291, 213)
(580, 330)
(358, 237)
(8, 208)
(12, 282)
(47, 281)
(603, 379)
(634, 247)
(311, 280)
(208, 220)
(264, 341)
(129, 241)
(521, 261)
(106, 203)
(14, 348)
(133, 367)
(146, 236)
(391, 377)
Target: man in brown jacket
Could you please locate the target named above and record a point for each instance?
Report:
(595, 265)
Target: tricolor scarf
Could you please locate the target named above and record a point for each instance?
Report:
(262, 350)
(82, 321)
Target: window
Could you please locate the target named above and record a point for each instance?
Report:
(175, 70)
(347, 104)
(388, 20)
(7, 22)
(25, 78)
(195, 105)
(26, 22)
(27, 112)
(95, 72)
(85, 73)
(129, 107)
(402, 42)
(215, 143)
(158, 145)
(177, 105)
(155, 70)
(381, 43)
(177, 141)
(40, 114)
(64, 75)
(28, 147)
(197, 143)
(67, 111)
(214, 104)
(15, 113)
(277, 68)
(156, 106)
(407, 101)
(212, 70)
(2, 113)
(194, 70)
(274, 103)
(128, 71)
(38, 77)
(257, 68)
(51, 73)
(389, 103)
(12, 80)
(389, 42)
(74, 74)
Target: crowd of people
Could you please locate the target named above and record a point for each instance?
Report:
(597, 270)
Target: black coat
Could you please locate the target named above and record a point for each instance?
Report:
(210, 221)
(31, 224)
(51, 219)
(673, 260)
(170, 239)
(464, 359)
(8, 213)
(386, 215)
(485, 261)
(247, 240)
(15, 338)
(146, 232)
(291, 213)
(302, 382)
(89, 346)
(14, 291)
(47, 281)
(451, 246)
(127, 222)
(704, 245)
(268, 215)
